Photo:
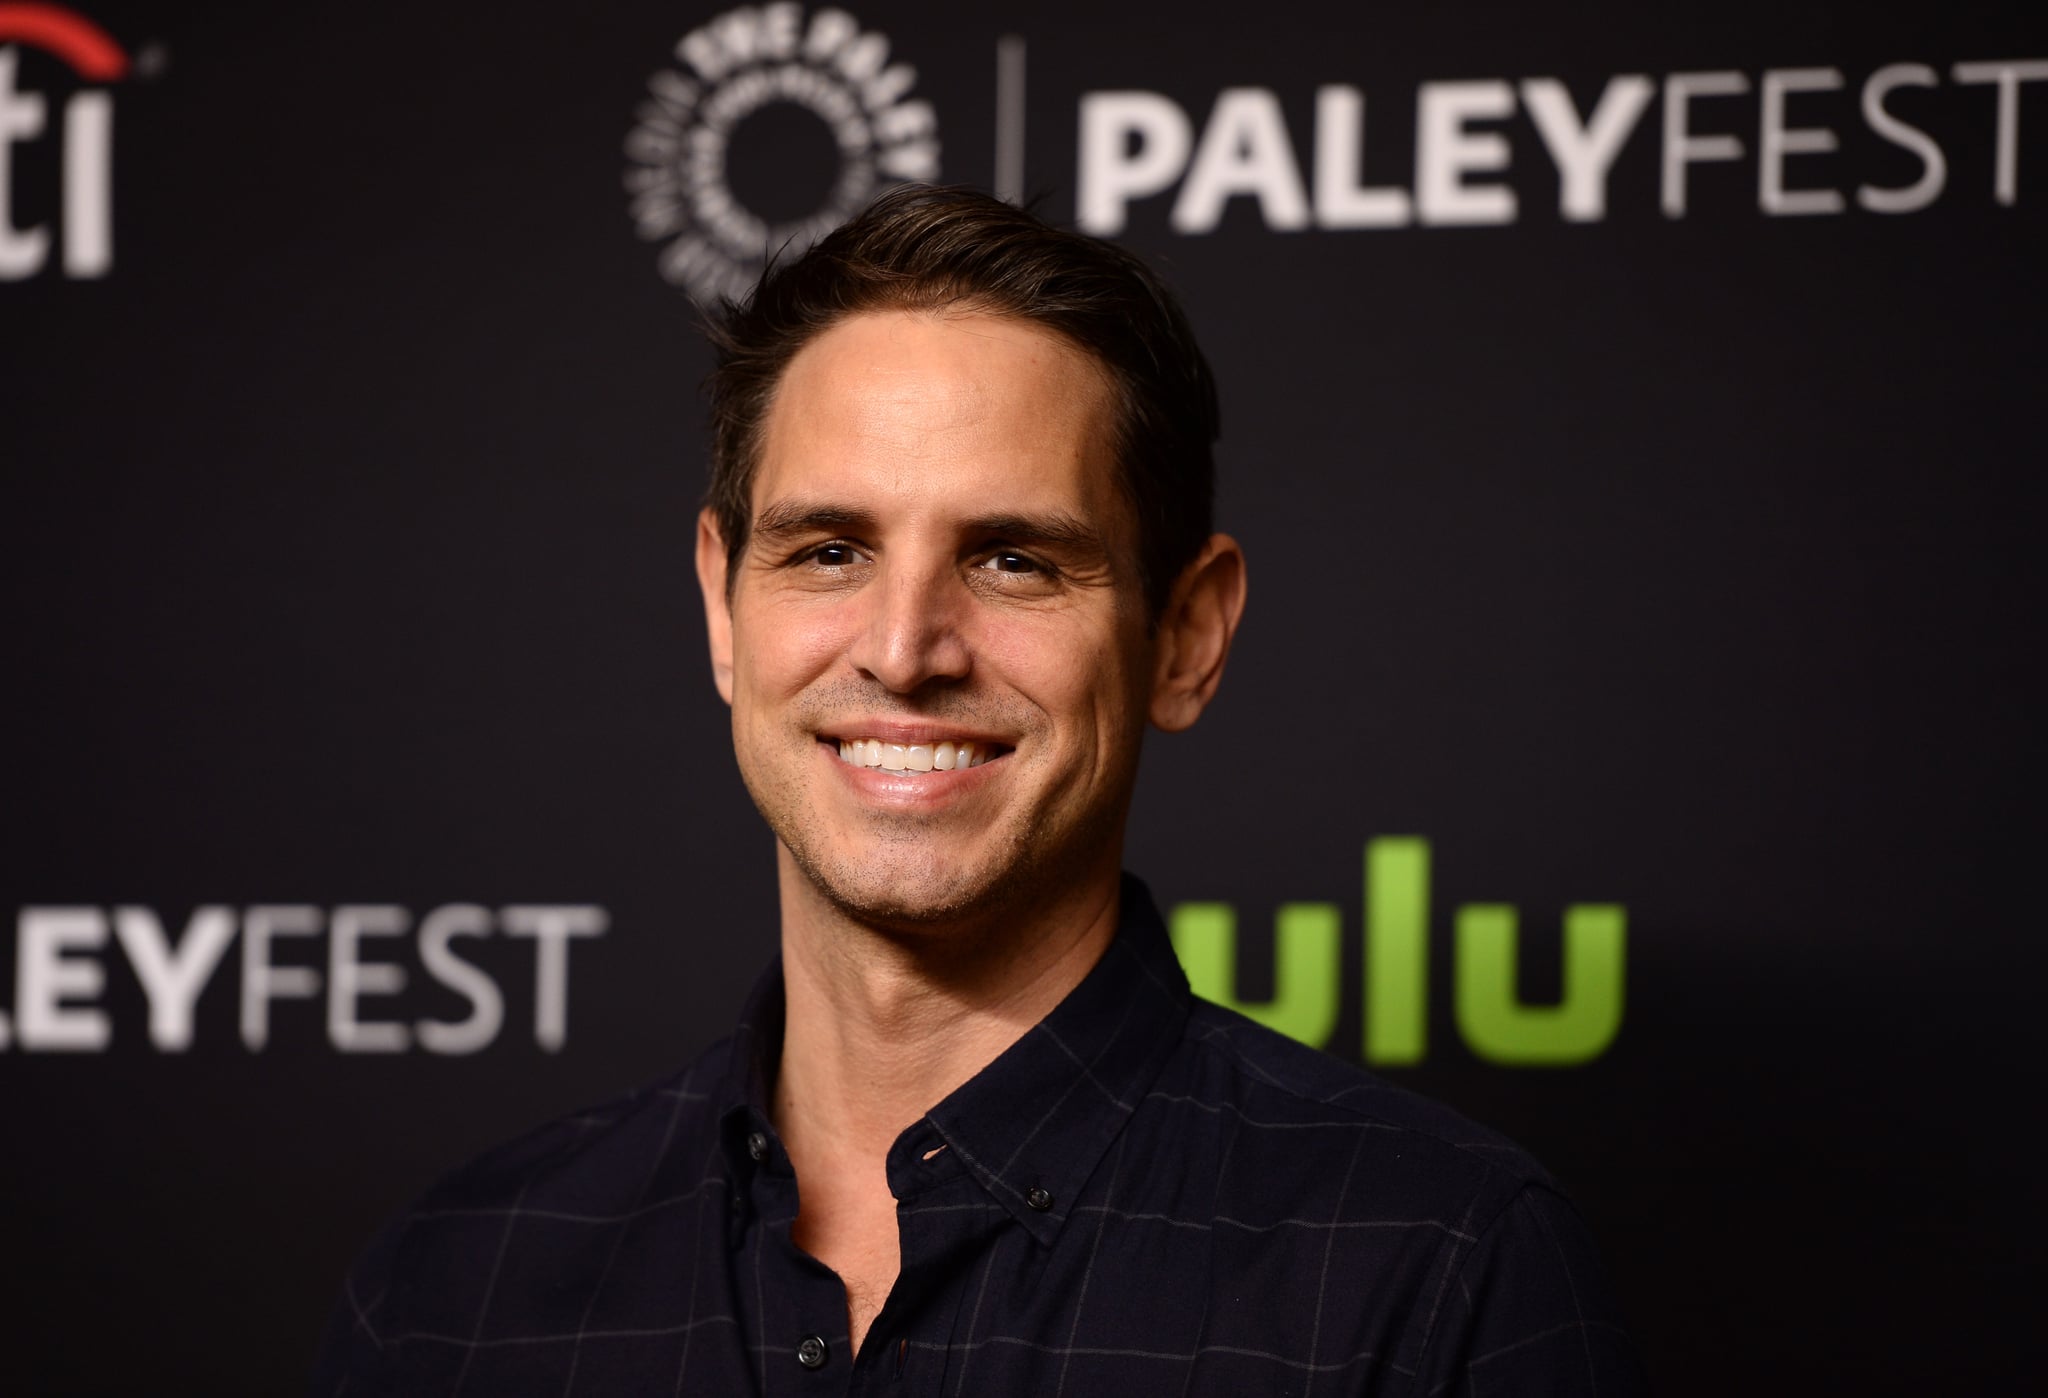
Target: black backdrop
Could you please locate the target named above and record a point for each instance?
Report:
(1686, 563)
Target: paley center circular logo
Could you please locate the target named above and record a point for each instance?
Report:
(773, 128)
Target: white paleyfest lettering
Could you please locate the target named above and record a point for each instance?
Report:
(552, 929)
(88, 160)
(1446, 151)
(1114, 171)
(349, 978)
(1584, 151)
(49, 968)
(1776, 141)
(1343, 199)
(263, 980)
(1137, 144)
(1681, 146)
(60, 973)
(1244, 150)
(486, 1004)
(2008, 75)
(1933, 164)
(173, 977)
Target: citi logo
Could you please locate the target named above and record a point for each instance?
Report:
(85, 129)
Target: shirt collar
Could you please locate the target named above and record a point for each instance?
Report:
(1034, 1124)
(1044, 1113)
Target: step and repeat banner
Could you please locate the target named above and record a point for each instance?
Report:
(1634, 422)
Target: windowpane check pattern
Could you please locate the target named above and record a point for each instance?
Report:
(1146, 1194)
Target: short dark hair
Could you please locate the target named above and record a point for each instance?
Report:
(924, 248)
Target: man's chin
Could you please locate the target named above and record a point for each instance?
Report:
(910, 891)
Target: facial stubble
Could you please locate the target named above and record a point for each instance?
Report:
(908, 879)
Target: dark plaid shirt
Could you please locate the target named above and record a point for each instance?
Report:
(1146, 1194)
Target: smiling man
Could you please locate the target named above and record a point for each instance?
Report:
(973, 1135)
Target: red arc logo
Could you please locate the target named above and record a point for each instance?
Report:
(89, 49)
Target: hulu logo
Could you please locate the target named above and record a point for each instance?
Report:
(1495, 1024)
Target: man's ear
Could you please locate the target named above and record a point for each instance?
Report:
(717, 608)
(1193, 636)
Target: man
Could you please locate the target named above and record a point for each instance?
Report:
(973, 1134)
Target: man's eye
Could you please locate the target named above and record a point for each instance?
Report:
(834, 555)
(1011, 563)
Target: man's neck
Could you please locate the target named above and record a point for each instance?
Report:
(881, 1026)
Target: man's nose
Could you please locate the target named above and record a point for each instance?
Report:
(912, 634)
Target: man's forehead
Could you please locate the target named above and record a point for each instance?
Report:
(892, 409)
(880, 343)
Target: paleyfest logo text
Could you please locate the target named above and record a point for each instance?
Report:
(1138, 145)
(348, 964)
(679, 179)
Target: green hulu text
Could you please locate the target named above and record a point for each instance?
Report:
(1491, 1018)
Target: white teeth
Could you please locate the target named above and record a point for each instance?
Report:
(948, 756)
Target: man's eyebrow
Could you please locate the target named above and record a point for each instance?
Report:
(790, 518)
(786, 519)
(1053, 529)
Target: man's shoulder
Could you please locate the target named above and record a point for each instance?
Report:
(596, 1160)
(1280, 1087)
(1449, 1243)
(559, 1187)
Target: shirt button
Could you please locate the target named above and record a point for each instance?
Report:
(757, 1146)
(1038, 1199)
(811, 1352)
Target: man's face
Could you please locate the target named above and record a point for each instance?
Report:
(941, 570)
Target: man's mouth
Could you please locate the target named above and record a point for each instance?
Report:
(917, 757)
